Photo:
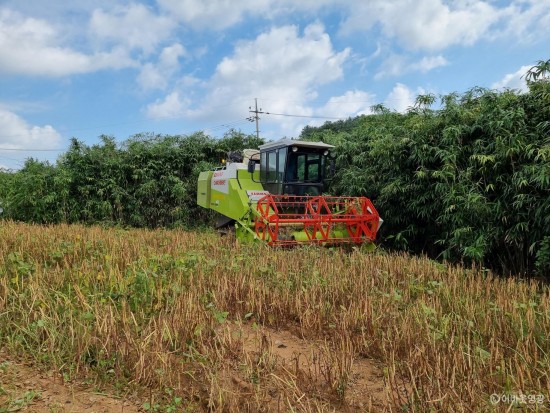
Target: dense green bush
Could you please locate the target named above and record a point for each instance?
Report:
(148, 181)
(36, 193)
(469, 181)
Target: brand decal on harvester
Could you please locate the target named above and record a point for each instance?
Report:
(256, 195)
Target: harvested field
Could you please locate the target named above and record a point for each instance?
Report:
(184, 321)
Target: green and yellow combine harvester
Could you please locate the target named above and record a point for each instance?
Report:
(275, 194)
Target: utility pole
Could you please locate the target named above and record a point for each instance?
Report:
(255, 117)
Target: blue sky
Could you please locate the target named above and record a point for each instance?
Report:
(115, 67)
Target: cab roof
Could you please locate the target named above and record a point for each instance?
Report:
(290, 142)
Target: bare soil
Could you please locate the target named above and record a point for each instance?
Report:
(23, 388)
(308, 362)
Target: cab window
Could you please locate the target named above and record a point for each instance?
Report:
(304, 167)
(273, 165)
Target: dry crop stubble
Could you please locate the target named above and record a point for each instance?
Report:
(173, 311)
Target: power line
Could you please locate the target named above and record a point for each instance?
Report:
(302, 116)
(256, 118)
(225, 125)
(301, 101)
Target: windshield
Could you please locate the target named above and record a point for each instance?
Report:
(303, 167)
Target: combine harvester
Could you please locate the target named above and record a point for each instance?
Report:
(275, 195)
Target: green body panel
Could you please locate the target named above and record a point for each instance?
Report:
(203, 189)
(235, 204)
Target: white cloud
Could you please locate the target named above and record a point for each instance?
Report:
(281, 58)
(425, 24)
(157, 76)
(172, 106)
(280, 66)
(217, 14)
(151, 77)
(18, 134)
(221, 14)
(135, 27)
(514, 80)
(429, 63)
(527, 20)
(396, 65)
(400, 98)
(420, 24)
(352, 103)
(33, 47)
(169, 57)
(53, 9)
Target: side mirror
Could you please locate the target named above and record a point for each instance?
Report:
(251, 166)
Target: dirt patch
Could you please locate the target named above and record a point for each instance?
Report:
(348, 383)
(267, 370)
(25, 389)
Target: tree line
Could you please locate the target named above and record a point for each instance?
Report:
(463, 177)
(467, 182)
(147, 181)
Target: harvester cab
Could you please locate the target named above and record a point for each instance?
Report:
(275, 194)
(294, 167)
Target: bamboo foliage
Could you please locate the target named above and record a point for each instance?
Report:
(148, 181)
(468, 181)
